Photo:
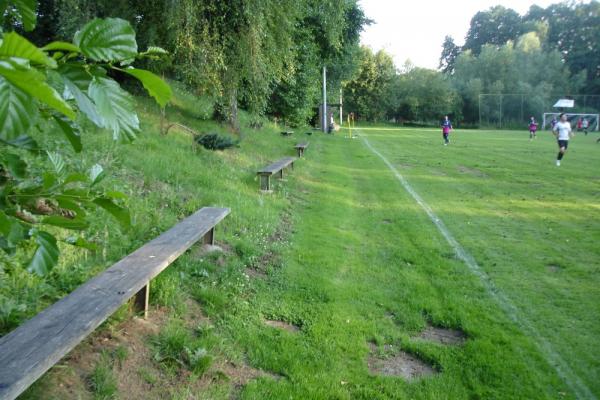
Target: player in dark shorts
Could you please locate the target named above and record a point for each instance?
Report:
(446, 128)
(563, 132)
(532, 128)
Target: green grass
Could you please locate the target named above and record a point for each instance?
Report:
(102, 381)
(350, 258)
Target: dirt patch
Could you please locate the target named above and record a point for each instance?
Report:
(387, 221)
(443, 335)
(255, 273)
(472, 171)
(398, 363)
(554, 268)
(70, 378)
(286, 326)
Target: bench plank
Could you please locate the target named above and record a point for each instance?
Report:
(39, 343)
(276, 166)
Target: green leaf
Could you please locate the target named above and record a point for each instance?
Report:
(96, 174)
(26, 9)
(12, 231)
(75, 177)
(23, 142)
(67, 223)
(155, 86)
(61, 46)
(57, 162)
(17, 111)
(46, 254)
(110, 39)
(116, 107)
(34, 84)
(15, 45)
(81, 242)
(77, 81)
(121, 214)
(155, 50)
(116, 195)
(5, 224)
(14, 164)
(49, 179)
(71, 132)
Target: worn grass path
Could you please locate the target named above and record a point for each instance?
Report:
(366, 263)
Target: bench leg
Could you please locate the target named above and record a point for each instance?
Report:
(281, 173)
(292, 165)
(141, 300)
(299, 152)
(265, 183)
(209, 237)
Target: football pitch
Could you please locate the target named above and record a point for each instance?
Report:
(396, 235)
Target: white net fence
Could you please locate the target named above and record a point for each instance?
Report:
(513, 111)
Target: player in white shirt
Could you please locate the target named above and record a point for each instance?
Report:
(563, 132)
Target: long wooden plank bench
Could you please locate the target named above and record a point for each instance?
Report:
(300, 147)
(277, 167)
(35, 346)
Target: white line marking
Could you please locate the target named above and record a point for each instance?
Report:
(552, 357)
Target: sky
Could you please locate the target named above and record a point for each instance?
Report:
(415, 29)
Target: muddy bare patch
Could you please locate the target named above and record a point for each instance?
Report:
(554, 268)
(443, 335)
(471, 171)
(286, 326)
(255, 273)
(387, 221)
(395, 362)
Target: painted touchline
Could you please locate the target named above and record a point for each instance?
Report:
(552, 357)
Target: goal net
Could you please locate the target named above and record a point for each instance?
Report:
(578, 121)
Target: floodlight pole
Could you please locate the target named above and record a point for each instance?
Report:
(324, 99)
(341, 106)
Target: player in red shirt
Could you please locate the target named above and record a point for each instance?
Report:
(532, 128)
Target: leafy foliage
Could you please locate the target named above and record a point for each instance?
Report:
(59, 85)
(245, 54)
(213, 141)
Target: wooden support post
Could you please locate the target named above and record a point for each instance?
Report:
(209, 237)
(281, 173)
(265, 183)
(142, 300)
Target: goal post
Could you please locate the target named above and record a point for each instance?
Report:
(573, 118)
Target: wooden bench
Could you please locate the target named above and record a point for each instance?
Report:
(300, 147)
(276, 167)
(34, 347)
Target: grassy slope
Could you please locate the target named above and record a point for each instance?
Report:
(350, 258)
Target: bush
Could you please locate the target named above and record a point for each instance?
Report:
(213, 141)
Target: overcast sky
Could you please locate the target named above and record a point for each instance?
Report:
(415, 29)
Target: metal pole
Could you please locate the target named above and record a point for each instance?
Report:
(522, 116)
(479, 111)
(500, 111)
(324, 99)
(341, 106)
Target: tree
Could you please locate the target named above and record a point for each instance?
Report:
(449, 53)
(495, 26)
(370, 94)
(54, 88)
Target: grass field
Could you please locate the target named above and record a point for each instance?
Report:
(340, 270)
